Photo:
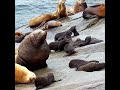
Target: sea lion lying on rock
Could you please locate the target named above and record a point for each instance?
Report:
(92, 66)
(66, 34)
(19, 36)
(33, 50)
(94, 11)
(45, 80)
(23, 75)
(76, 63)
(58, 45)
(51, 24)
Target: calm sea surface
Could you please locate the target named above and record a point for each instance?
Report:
(27, 9)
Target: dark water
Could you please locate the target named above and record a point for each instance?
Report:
(27, 9)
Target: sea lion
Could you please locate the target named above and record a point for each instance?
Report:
(92, 66)
(33, 50)
(76, 63)
(66, 34)
(79, 6)
(94, 11)
(95, 40)
(69, 49)
(63, 35)
(51, 24)
(40, 20)
(45, 80)
(60, 12)
(19, 36)
(23, 75)
(58, 45)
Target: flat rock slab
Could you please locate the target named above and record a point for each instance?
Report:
(58, 65)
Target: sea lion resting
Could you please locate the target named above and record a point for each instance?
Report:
(76, 63)
(51, 24)
(45, 80)
(66, 34)
(19, 36)
(79, 6)
(92, 66)
(33, 50)
(23, 75)
(94, 11)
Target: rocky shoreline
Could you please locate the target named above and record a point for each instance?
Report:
(58, 65)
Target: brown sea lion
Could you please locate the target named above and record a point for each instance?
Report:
(33, 50)
(23, 75)
(92, 66)
(60, 12)
(58, 45)
(51, 24)
(40, 20)
(94, 11)
(19, 36)
(45, 80)
(76, 63)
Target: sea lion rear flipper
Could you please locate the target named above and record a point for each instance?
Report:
(40, 25)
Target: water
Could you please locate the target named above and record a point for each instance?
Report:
(27, 9)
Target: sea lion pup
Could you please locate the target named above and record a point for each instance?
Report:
(19, 36)
(95, 40)
(40, 20)
(76, 63)
(69, 49)
(51, 24)
(23, 75)
(92, 66)
(66, 34)
(94, 11)
(63, 35)
(58, 45)
(60, 12)
(33, 50)
(45, 80)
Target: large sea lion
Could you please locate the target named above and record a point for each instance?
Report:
(60, 12)
(51, 24)
(76, 63)
(33, 50)
(40, 20)
(94, 11)
(23, 75)
(79, 6)
(45, 80)
(92, 66)
(19, 36)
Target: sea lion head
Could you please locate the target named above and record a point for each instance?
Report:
(38, 37)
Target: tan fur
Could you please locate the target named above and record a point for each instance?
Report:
(51, 24)
(40, 20)
(61, 10)
(23, 75)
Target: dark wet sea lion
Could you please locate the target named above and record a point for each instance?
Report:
(19, 36)
(58, 45)
(33, 50)
(63, 35)
(23, 75)
(51, 24)
(69, 49)
(94, 11)
(73, 29)
(92, 66)
(75, 63)
(45, 80)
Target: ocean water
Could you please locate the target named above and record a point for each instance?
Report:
(27, 9)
